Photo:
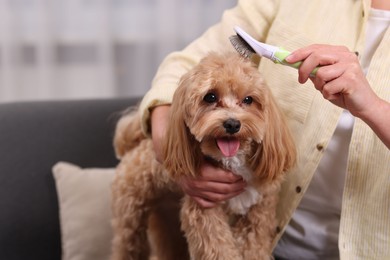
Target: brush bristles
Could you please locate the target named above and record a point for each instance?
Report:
(241, 46)
(244, 49)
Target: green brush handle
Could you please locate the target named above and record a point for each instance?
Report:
(281, 56)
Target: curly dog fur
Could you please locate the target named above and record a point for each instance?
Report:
(223, 112)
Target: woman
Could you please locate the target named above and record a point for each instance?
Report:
(340, 120)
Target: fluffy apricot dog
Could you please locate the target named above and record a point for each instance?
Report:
(222, 112)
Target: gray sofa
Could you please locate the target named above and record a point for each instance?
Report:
(33, 137)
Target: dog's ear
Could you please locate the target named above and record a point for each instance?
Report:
(277, 153)
(128, 132)
(181, 152)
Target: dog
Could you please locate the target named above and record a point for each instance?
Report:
(223, 112)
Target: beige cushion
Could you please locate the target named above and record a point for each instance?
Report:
(84, 200)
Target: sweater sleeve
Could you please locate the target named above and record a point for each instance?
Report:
(255, 16)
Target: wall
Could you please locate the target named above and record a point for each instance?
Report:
(57, 49)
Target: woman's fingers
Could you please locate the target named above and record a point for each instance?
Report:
(215, 187)
(209, 199)
(212, 186)
(212, 190)
(327, 74)
(204, 203)
(317, 56)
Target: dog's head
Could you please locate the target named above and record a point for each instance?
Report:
(222, 108)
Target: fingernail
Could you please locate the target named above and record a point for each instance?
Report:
(289, 58)
(301, 79)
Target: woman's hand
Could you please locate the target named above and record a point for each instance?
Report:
(213, 186)
(340, 77)
(341, 80)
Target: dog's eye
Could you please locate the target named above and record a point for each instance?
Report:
(248, 100)
(210, 98)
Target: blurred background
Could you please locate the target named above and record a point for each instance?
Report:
(76, 49)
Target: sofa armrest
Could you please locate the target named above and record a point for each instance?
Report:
(33, 137)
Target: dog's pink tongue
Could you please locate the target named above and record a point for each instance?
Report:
(228, 147)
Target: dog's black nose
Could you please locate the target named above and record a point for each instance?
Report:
(232, 126)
